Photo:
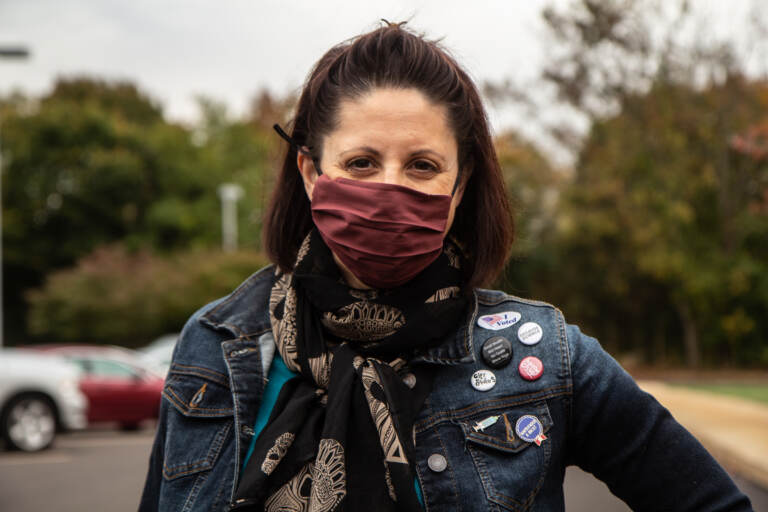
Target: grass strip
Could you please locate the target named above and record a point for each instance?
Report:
(755, 392)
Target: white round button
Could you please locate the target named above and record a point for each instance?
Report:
(483, 380)
(410, 380)
(437, 463)
(530, 333)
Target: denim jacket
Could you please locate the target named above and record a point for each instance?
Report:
(592, 413)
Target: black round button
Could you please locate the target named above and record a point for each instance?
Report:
(497, 352)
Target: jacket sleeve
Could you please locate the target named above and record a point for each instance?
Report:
(627, 439)
(150, 498)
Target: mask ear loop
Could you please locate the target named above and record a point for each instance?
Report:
(458, 180)
(298, 147)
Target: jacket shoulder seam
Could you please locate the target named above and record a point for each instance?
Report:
(507, 297)
(245, 285)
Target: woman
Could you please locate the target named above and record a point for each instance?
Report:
(367, 369)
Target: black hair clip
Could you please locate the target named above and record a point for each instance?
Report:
(295, 145)
(298, 147)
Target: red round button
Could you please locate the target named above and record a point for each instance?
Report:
(531, 368)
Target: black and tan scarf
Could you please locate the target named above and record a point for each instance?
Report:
(340, 436)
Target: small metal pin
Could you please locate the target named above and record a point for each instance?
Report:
(480, 426)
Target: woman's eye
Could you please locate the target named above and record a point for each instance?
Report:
(360, 164)
(424, 166)
(363, 164)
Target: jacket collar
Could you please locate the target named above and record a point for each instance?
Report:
(459, 347)
(245, 311)
(245, 314)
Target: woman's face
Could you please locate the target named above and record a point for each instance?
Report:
(394, 136)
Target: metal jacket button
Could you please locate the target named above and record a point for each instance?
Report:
(437, 463)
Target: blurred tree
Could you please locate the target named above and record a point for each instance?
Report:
(81, 167)
(601, 52)
(121, 98)
(659, 246)
(95, 162)
(661, 204)
(126, 298)
(534, 187)
(268, 109)
(243, 152)
(657, 201)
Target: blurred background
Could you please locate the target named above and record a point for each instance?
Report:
(137, 157)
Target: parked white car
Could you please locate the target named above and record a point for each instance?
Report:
(39, 395)
(159, 352)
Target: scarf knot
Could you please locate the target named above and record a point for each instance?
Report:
(340, 434)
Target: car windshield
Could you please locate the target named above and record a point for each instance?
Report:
(104, 368)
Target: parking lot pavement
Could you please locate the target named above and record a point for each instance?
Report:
(104, 470)
(92, 470)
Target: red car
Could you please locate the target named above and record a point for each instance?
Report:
(119, 387)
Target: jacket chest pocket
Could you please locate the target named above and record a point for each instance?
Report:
(511, 467)
(198, 424)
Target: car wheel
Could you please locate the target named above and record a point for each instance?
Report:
(29, 423)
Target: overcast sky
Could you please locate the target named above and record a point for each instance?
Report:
(228, 49)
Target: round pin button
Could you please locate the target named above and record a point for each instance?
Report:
(529, 333)
(437, 463)
(530, 429)
(410, 380)
(497, 352)
(531, 368)
(483, 380)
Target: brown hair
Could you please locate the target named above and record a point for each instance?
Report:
(392, 56)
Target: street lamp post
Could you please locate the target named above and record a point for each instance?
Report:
(6, 52)
(230, 194)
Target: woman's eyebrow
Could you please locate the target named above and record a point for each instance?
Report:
(367, 149)
(376, 153)
(426, 151)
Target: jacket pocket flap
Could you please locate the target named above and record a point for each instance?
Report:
(498, 429)
(197, 448)
(198, 395)
(512, 468)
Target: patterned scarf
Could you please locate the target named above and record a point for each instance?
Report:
(340, 436)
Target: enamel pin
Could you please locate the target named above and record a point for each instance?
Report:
(484, 424)
(529, 429)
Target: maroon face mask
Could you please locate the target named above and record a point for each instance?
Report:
(385, 234)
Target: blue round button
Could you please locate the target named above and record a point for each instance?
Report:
(529, 429)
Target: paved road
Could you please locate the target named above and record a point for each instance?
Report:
(104, 471)
(85, 471)
(734, 430)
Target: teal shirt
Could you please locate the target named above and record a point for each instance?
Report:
(279, 374)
